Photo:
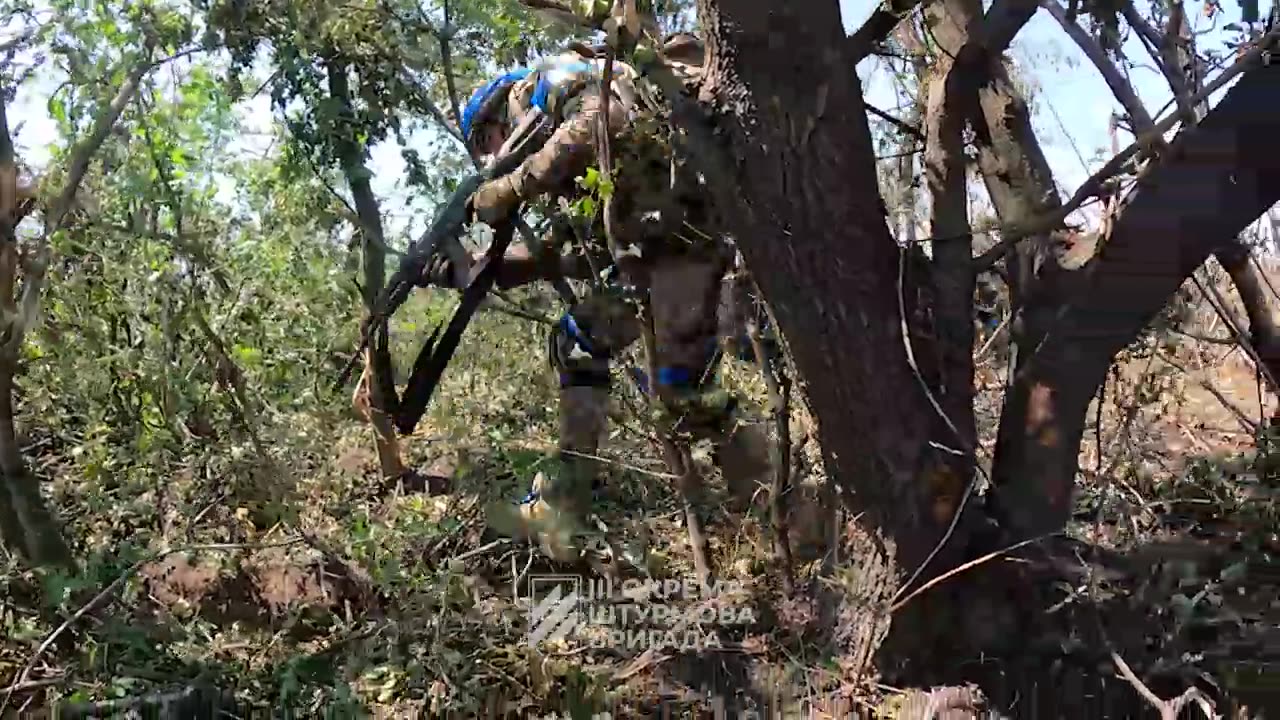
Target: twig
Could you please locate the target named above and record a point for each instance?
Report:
(619, 463)
(902, 125)
(1203, 338)
(897, 604)
(778, 385)
(514, 309)
(35, 684)
(481, 550)
(982, 352)
(1219, 305)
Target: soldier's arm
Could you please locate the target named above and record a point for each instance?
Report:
(570, 149)
(520, 267)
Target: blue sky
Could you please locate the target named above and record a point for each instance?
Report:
(1073, 109)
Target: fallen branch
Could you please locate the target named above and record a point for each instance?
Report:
(35, 684)
(1246, 423)
(1168, 709)
(191, 701)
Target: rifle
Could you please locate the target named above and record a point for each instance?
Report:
(445, 230)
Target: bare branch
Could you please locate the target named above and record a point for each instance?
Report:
(1168, 709)
(1164, 51)
(1173, 51)
(446, 60)
(432, 109)
(1096, 182)
(902, 125)
(1120, 87)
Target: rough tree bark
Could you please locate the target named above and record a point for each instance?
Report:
(811, 227)
(377, 384)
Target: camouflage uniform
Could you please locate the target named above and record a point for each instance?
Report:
(665, 242)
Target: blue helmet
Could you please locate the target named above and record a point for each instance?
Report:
(483, 99)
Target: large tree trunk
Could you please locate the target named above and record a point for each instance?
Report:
(1216, 179)
(811, 227)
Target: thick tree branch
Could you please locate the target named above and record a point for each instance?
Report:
(947, 107)
(1094, 185)
(1001, 23)
(878, 27)
(1211, 184)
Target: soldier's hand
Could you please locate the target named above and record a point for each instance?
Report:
(438, 272)
(494, 201)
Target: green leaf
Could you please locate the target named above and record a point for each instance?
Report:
(248, 355)
(58, 109)
(590, 179)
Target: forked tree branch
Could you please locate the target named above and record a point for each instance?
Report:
(1168, 709)
(1096, 183)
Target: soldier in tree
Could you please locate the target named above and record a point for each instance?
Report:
(664, 241)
